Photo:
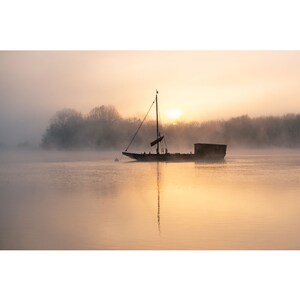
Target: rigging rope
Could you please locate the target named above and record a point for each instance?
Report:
(139, 127)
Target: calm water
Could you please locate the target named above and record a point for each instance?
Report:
(247, 202)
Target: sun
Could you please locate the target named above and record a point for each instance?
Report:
(174, 114)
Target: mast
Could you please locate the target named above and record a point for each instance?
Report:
(157, 131)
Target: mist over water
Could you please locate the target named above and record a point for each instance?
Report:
(85, 200)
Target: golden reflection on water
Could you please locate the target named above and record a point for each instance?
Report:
(246, 202)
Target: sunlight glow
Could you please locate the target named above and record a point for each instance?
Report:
(174, 114)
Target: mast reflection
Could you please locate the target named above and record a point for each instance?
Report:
(158, 196)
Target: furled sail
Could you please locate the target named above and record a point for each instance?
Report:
(156, 141)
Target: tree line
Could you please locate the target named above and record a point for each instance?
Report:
(104, 128)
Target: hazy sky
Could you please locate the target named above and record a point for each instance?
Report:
(201, 85)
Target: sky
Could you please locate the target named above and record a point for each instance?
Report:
(192, 85)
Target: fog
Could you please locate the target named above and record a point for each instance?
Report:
(16, 156)
(105, 129)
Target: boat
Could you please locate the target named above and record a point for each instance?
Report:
(202, 151)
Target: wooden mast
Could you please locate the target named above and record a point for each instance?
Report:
(157, 131)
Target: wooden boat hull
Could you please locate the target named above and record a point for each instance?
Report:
(175, 157)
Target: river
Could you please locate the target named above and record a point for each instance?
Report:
(249, 201)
